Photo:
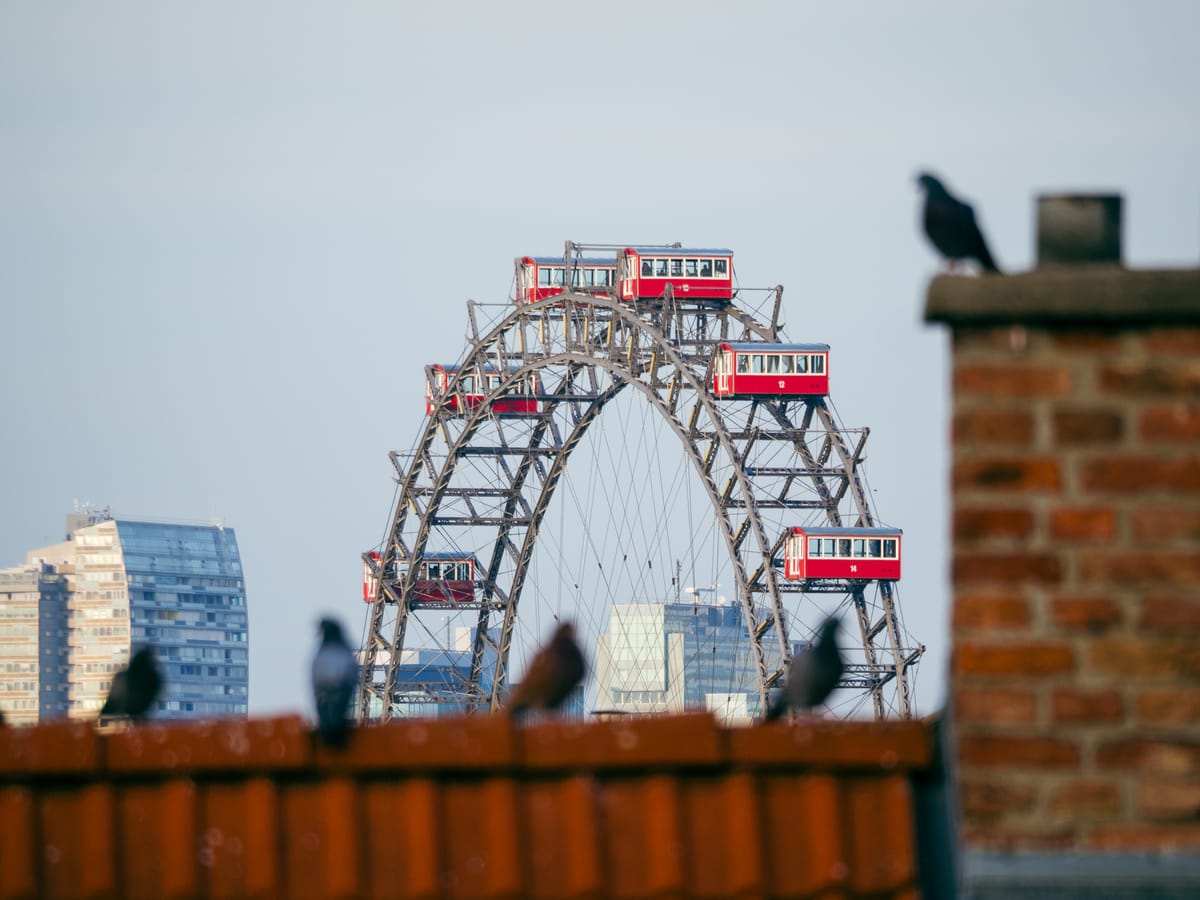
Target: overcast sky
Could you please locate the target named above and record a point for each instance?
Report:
(232, 235)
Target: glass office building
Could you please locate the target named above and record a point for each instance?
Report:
(177, 587)
(188, 599)
(435, 677)
(670, 657)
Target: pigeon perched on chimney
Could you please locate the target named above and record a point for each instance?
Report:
(950, 225)
(813, 674)
(554, 672)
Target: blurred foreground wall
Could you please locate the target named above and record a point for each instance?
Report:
(471, 807)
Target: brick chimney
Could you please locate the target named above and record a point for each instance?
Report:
(1075, 675)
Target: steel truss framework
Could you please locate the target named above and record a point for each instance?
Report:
(487, 480)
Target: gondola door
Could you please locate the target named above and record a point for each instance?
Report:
(724, 371)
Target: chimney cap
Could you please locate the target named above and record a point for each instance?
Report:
(1078, 229)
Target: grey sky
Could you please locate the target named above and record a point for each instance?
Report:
(231, 236)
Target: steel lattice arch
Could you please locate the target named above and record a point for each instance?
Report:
(483, 480)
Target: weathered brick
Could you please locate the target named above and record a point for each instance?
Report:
(1016, 380)
(1172, 798)
(1159, 522)
(979, 426)
(1090, 342)
(1085, 799)
(1131, 658)
(1034, 474)
(1093, 523)
(1085, 613)
(973, 524)
(1150, 379)
(1083, 426)
(1146, 754)
(1017, 752)
(1013, 660)
(1008, 568)
(987, 612)
(1174, 614)
(1135, 569)
(1170, 341)
(988, 800)
(994, 706)
(969, 340)
(1158, 838)
(1140, 473)
(1169, 706)
(1081, 707)
(1180, 422)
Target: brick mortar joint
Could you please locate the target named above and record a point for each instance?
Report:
(1045, 788)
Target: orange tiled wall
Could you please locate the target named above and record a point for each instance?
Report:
(471, 807)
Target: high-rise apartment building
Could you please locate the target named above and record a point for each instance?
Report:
(115, 584)
(33, 643)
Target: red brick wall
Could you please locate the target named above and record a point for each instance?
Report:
(1075, 672)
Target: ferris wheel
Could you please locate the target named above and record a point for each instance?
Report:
(593, 455)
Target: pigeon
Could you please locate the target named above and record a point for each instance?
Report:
(334, 678)
(554, 672)
(135, 687)
(951, 227)
(813, 674)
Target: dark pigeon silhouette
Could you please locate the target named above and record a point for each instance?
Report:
(951, 227)
(334, 678)
(554, 672)
(134, 688)
(813, 674)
